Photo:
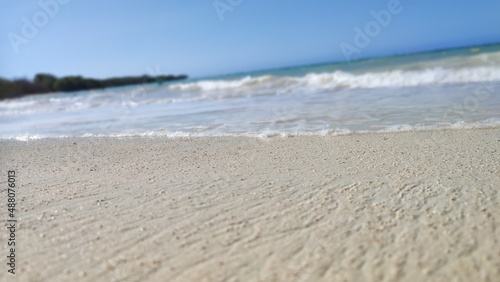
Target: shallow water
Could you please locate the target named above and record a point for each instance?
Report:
(456, 88)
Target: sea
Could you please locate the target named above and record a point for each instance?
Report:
(456, 88)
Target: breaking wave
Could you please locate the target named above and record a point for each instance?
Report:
(344, 80)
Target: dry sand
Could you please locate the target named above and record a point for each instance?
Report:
(408, 206)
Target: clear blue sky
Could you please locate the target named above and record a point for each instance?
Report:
(115, 37)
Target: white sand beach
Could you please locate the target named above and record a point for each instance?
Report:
(407, 206)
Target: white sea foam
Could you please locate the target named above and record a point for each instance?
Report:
(490, 123)
(343, 80)
(266, 85)
(27, 137)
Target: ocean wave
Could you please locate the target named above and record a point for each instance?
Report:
(457, 62)
(266, 85)
(344, 80)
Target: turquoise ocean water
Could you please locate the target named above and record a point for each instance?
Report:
(457, 88)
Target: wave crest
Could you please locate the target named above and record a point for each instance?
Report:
(344, 80)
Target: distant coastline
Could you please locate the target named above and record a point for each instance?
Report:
(47, 83)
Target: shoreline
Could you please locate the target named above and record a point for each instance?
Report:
(266, 135)
(405, 206)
